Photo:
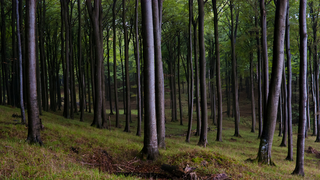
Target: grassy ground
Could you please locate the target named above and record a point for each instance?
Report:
(74, 150)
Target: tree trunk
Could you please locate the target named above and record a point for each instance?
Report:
(289, 86)
(159, 81)
(38, 74)
(217, 53)
(3, 56)
(81, 74)
(33, 111)
(265, 60)
(299, 170)
(235, 79)
(72, 99)
(202, 53)
(213, 93)
(197, 79)
(115, 63)
(270, 117)
(66, 68)
(284, 109)
(13, 92)
(138, 68)
(190, 67)
(43, 57)
(316, 68)
(123, 77)
(253, 108)
(109, 78)
(259, 76)
(23, 117)
(150, 130)
(280, 117)
(95, 15)
(126, 52)
(179, 89)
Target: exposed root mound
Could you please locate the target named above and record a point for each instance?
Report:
(100, 158)
(135, 167)
(313, 151)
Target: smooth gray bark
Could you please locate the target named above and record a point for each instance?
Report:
(150, 147)
(33, 110)
(202, 61)
(159, 81)
(23, 116)
(270, 117)
(299, 169)
(217, 53)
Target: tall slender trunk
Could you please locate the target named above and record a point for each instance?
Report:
(109, 78)
(204, 118)
(190, 67)
(289, 87)
(280, 114)
(126, 52)
(179, 89)
(195, 40)
(213, 93)
(23, 116)
(150, 130)
(259, 76)
(33, 111)
(299, 170)
(174, 84)
(43, 58)
(159, 80)
(115, 62)
(285, 108)
(217, 53)
(235, 78)
(13, 92)
(95, 16)
(315, 60)
(67, 59)
(81, 74)
(265, 60)
(253, 108)
(138, 68)
(270, 117)
(4, 56)
(123, 77)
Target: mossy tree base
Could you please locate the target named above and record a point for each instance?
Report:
(34, 140)
(298, 171)
(149, 153)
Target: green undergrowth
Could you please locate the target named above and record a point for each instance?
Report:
(72, 150)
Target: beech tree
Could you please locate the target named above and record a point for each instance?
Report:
(95, 13)
(66, 68)
(265, 61)
(217, 53)
(190, 67)
(236, 109)
(204, 117)
(270, 116)
(289, 87)
(138, 67)
(159, 81)
(150, 147)
(126, 51)
(33, 109)
(81, 76)
(23, 117)
(115, 62)
(299, 170)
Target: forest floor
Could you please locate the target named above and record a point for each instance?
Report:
(75, 150)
